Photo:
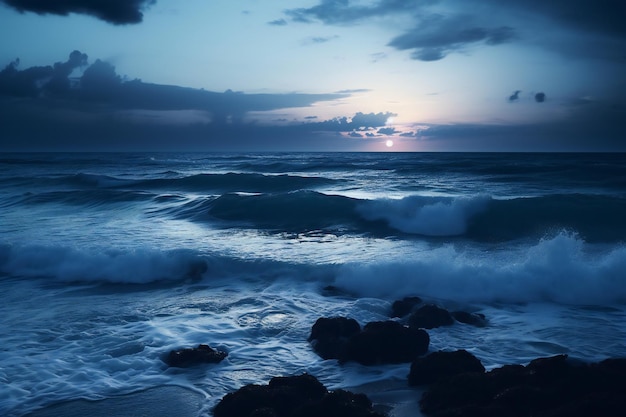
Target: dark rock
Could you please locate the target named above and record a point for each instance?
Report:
(401, 308)
(184, 358)
(474, 319)
(430, 316)
(440, 364)
(296, 396)
(329, 336)
(546, 387)
(385, 342)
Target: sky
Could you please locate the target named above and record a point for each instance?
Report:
(313, 75)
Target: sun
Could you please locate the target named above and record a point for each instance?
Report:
(389, 143)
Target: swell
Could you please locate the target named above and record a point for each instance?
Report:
(595, 218)
(227, 182)
(233, 182)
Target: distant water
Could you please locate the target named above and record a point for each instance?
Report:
(108, 261)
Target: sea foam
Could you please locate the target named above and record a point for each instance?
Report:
(558, 269)
(429, 216)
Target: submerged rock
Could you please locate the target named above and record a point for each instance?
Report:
(473, 319)
(404, 307)
(430, 316)
(554, 386)
(385, 342)
(184, 358)
(329, 336)
(301, 396)
(380, 342)
(438, 365)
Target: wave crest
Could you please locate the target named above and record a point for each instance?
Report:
(556, 269)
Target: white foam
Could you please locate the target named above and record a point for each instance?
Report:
(558, 269)
(429, 216)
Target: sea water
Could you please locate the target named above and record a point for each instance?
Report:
(109, 261)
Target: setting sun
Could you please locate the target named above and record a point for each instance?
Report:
(389, 143)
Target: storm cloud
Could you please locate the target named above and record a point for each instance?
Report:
(444, 26)
(117, 12)
(437, 36)
(100, 87)
(74, 105)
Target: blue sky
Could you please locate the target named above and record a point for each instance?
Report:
(430, 75)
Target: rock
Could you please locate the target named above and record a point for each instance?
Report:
(296, 396)
(401, 308)
(329, 336)
(430, 316)
(546, 387)
(441, 364)
(474, 319)
(386, 342)
(184, 358)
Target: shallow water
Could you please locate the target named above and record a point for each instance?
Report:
(108, 261)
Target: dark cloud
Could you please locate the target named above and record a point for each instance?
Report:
(600, 16)
(360, 121)
(278, 22)
(575, 28)
(592, 126)
(388, 131)
(118, 12)
(437, 36)
(101, 87)
(52, 108)
(342, 11)
(515, 96)
(318, 39)
(540, 97)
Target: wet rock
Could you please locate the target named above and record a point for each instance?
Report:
(473, 319)
(546, 387)
(404, 307)
(430, 316)
(296, 396)
(329, 336)
(386, 342)
(438, 365)
(184, 358)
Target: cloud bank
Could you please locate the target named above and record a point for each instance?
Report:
(441, 27)
(47, 107)
(117, 12)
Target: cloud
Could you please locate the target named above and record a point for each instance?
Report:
(592, 126)
(278, 22)
(52, 108)
(515, 96)
(102, 88)
(600, 16)
(437, 36)
(319, 39)
(388, 131)
(118, 12)
(342, 12)
(574, 28)
(540, 97)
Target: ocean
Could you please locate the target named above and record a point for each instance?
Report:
(110, 260)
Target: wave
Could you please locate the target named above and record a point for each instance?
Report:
(595, 218)
(236, 182)
(89, 198)
(139, 266)
(298, 210)
(428, 216)
(558, 269)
